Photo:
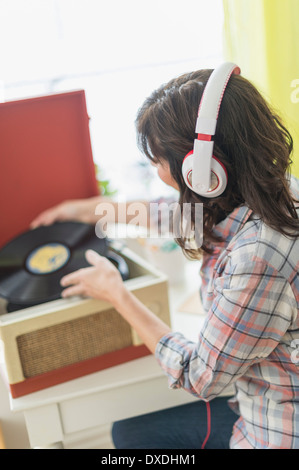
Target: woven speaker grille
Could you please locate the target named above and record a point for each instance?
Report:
(73, 341)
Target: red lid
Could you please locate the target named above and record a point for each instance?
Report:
(45, 157)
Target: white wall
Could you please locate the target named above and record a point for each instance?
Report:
(119, 52)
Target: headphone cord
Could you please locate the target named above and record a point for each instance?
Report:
(208, 425)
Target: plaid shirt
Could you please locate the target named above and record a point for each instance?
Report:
(250, 338)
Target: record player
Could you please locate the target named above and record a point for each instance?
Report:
(46, 157)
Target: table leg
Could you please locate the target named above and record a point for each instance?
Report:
(44, 427)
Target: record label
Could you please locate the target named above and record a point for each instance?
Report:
(47, 258)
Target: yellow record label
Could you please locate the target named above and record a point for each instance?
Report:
(47, 258)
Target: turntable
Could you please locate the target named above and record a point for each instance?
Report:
(48, 340)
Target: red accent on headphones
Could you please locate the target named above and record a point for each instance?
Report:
(205, 137)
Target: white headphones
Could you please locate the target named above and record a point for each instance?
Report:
(202, 172)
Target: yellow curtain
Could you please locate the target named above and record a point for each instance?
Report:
(262, 37)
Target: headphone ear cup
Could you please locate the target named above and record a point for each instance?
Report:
(218, 176)
(187, 169)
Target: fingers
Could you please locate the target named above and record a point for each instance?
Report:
(73, 278)
(96, 281)
(77, 280)
(38, 222)
(60, 212)
(73, 283)
(72, 291)
(46, 218)
(93, 257)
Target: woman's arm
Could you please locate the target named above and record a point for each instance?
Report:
(84, 210)
(149, 327)
(81, 210)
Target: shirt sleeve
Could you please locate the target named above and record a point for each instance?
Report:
(253, 307)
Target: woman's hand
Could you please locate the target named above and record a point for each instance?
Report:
(80, 210)
(101, 280)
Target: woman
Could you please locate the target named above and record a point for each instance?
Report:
(250, 283)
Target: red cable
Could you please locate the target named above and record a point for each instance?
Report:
(208, 425)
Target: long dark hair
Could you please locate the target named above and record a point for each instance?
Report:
(250, 140)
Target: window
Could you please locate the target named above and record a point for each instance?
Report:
(118, 52)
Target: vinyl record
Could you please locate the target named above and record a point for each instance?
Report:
(32, 264)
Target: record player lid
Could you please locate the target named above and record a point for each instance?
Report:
(45, 157)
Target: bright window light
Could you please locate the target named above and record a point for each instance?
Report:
(118, 52)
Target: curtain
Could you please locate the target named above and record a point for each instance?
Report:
(262, 37)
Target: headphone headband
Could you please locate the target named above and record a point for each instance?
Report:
(212, 97)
